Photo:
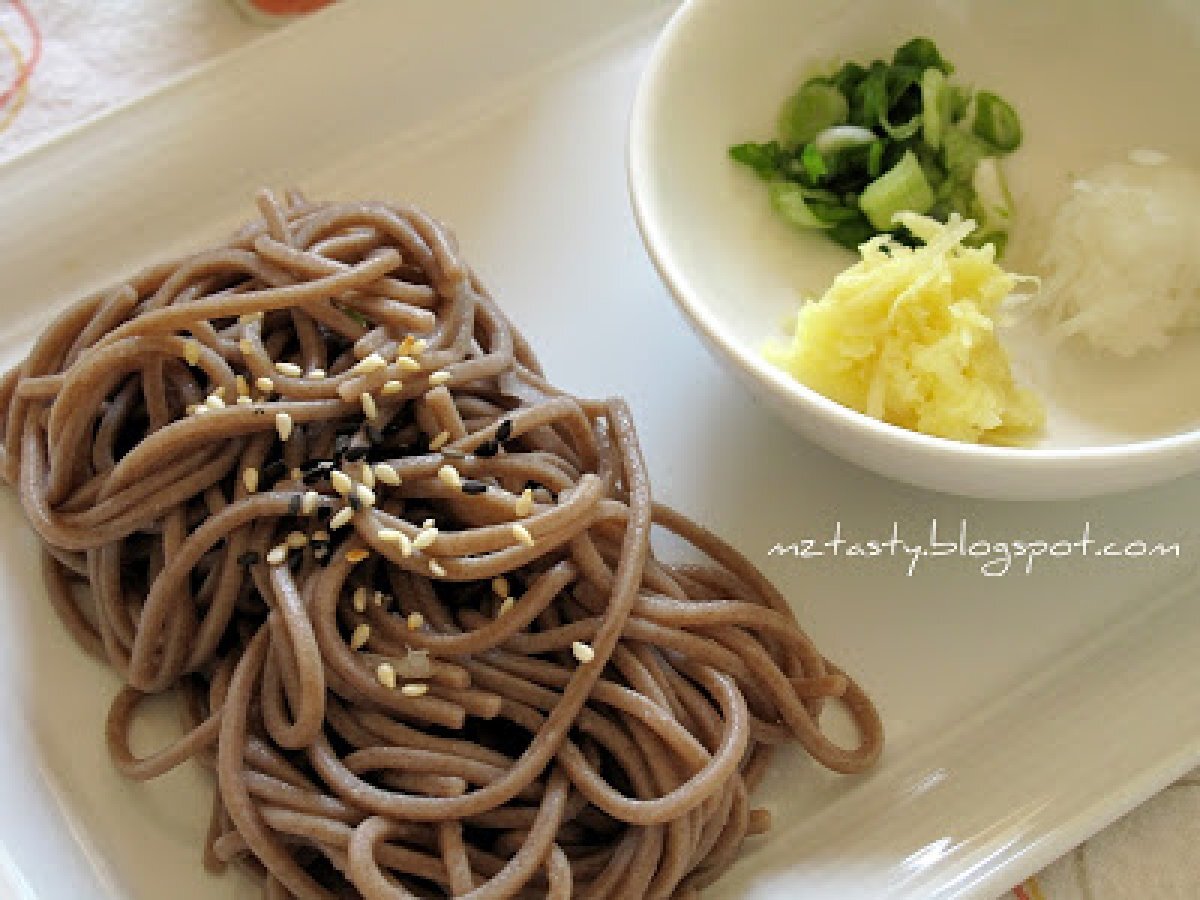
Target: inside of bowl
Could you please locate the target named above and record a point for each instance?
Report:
(1090, 81)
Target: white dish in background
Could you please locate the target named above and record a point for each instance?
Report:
(1023, 713)
(718, 77)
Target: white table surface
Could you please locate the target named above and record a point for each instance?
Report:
(99, 53)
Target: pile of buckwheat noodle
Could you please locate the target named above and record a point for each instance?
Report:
(315, 483)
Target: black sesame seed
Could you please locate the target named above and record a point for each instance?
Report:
(357, 453)
(392, 428)
(313, 465)
(249, 558)
(324, 512)
(532, 485)
(374, 435)
(294, 505)
(272, 470)
(346, 429)
(379, 454)
(471, 486)
(295, 560)
(313, 477)
(487, 448)
(504, 432)
(355, 503)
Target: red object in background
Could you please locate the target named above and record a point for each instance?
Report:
(282, 8)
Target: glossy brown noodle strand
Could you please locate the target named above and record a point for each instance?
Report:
(455, 667)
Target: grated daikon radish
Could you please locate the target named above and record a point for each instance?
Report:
(1121, 263)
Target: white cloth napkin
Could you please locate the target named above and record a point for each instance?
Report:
(98, 53)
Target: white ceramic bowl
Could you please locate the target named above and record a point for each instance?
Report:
(1091, 81)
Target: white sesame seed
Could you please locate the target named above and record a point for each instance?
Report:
(372, 362)
(388, 535)
(524, 504)
(415, 689)
(359, 599)
(429, 523)
(246, 346)
(360, 636)
(296, 539)
(295, 474)
(439, 440)
(283, 424)
(341, 518)
(449, 476)
(407, 364)
(583, 652)
(370, 410)
(243, 386)
(308, 503)
(436, 570)
(415, 621)
(386, 675)
(191, 351)
(278, 555)
(505, 605)
(500, 586)
(391, 386)
(191, 408)
(341, 482)
(419, 346)
(424, 538)
(315, 374)
(406, 547)
(385, 473)
(521, 533)
(320, 535)
(439, 377)
(252, 318)
(250, 479)
(366, 475)
(214, 402)
(264, 384)
(365, 495)
(290, 369)
(244, 401)
(381, 598)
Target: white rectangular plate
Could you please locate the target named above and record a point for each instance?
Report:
(1024, 711)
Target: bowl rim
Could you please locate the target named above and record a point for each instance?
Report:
(639, 180)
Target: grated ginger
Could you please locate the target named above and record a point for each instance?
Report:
(909, 336)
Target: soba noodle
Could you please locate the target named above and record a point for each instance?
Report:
(314, 482)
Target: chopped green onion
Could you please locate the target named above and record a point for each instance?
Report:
(813, 162)
(902, 188)
(962, 151)
(875, 159)
(854, 148)
(991, 193)
(816, 106)
(996, 122)
(764, 159)
(935, 103)
(833, 141)
(787, 199)
(921, 53)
